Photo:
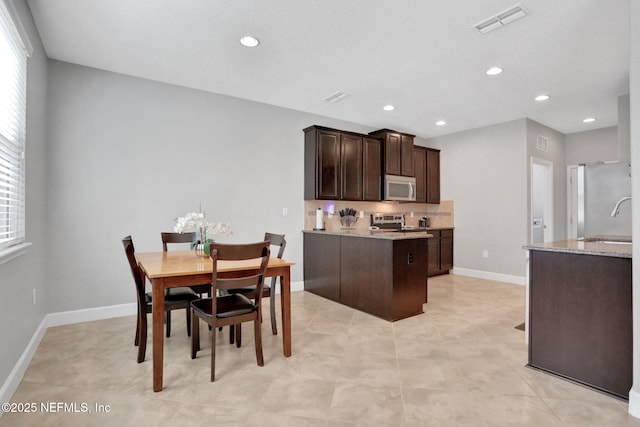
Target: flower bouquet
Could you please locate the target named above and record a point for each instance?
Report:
(197, 221)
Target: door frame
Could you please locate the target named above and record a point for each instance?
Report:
(548, 205)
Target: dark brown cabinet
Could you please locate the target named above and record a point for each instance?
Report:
(420, 169)
(433, 175)
(372, 169)
(440, 251)
(427, 173)
(341, 165)
(383, 277)
(580, 319)
(398, 152)
(350, 167)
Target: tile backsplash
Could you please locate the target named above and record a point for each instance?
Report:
(441, 215)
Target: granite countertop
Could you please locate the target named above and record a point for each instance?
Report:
(377, 234)
(598, 245)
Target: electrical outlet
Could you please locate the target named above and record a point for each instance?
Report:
(361, 214)
(485, 254)
(285, 211)
(33, 297)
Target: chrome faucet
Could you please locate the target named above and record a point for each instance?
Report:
(615, 212)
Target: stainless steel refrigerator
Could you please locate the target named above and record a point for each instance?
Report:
(600, 187)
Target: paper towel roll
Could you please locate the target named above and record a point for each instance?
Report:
(319, 219)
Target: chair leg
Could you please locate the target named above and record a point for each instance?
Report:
(238, 335)
(257, 332)
(213, 354)
(168, 316)
(142, 341)
(136, 342)
(272, 308)
(195, 334)
(232, 333)
(188, 310)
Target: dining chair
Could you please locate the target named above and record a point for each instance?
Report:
(175, 301)
(226, 309)
(268, 291)
(188, 237)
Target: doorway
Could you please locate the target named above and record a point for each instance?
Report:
(541, 214)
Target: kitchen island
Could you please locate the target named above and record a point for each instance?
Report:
(580, 312)
(381, 273)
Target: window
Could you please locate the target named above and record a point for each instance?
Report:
(13, 88)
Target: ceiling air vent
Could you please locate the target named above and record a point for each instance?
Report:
(501, 19)
(542, 143)
(338, 96)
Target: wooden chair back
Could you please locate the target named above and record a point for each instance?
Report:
(138, 277)
(276, 240)
(170, 237)
(244, 279)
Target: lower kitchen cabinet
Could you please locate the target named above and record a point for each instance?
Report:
(386, 278)
(440, 251)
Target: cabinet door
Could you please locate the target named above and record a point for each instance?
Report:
(392, 156)
(433, 265)
(328, 166)
(433, 176)
(420, 169)
(372, 169)
(406, 155)
(446, 250)
(351, 167)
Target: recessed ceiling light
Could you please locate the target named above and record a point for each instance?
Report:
(494, 71)
(249, 41)
(441, 123)
(541, 97)
(589, 120)
(388, 107)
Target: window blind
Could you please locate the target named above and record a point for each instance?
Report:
(13, 88)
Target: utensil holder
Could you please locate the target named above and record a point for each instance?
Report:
(348, 221)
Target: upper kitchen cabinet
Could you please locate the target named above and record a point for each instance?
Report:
(427, 173)
(398, 152)
(341, 165)
(372, 169)
(433, 175)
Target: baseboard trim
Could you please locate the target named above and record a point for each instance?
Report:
(634, 402)
(17, 373)
(68, 318)
(498, 277)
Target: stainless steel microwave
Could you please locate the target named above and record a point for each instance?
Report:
(401, 188)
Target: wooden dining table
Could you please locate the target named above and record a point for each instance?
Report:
(170, 269)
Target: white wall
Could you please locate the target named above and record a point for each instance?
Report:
(128, 155)
(19, 318)
(485, 172)
(592, 146)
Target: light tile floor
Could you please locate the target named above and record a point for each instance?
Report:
(460, 363)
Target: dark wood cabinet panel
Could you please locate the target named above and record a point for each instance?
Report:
(351, 167)
(420, 170)
(406, 154)
(440, 251)
(580, 319)
(433, 175)
(383, 277)
(341, 165)
(322, 265)
(398, 152)
(446, 251)
(372, 169)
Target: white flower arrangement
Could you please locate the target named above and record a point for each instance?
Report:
(197, 221)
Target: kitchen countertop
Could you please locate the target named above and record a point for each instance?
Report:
(590, 246)
(377, 234)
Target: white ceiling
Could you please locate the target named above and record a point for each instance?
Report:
(420, 55)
